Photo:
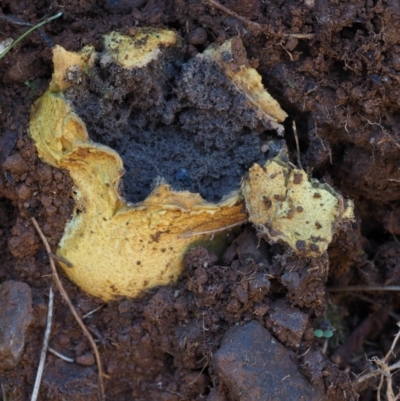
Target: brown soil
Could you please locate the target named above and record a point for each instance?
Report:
(341, 86)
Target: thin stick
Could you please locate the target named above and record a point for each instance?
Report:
(217, 230)
(16, 41)
(297, 144)
(300, 35)
(61, 259)
(226, 10)
(73, 311)
(61, 356)
(3, 392)
(257, 27)
(384, 372)
(17, 21)
(365, 288)
(92, 311)
(394, 342)
(42, 360)
(372, 301)
(374, 373)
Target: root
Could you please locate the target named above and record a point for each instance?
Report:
(42, 360)
(65, 296)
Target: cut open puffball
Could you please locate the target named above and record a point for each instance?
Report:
(118, 249)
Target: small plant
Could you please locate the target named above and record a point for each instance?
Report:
(16, 41)
(325, 329)
(33, 90)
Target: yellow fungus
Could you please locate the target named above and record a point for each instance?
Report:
(287, 206)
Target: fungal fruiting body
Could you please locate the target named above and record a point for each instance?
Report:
(287, 206)
(120, 249)
(117, 249)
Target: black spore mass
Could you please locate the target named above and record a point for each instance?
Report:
(182, 123)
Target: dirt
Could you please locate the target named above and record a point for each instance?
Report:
(340, 85)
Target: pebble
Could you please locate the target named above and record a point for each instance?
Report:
(197, 37)
(254, 366)
(15, 164)
(15, 318)
(87, 359)
(288, 323)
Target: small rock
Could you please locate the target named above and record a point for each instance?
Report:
(230, 254)
(87, 359)
(306, 282)
(216, 394)
(24, 192)
(15, 164)
(200, 276)
(197, 382)
(254, 366)
(197, 37)
(287, 322)
(258, 286)
(15, 317)
(241, 294)
(260, 309)
(70, 381)
(250, 249)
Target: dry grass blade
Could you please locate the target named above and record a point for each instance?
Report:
(297, 144)
(192, 234)
(16, 41)
(352, 288)
(72, 309)
(257, 28)
(42, 360)
(384, 370)
(3, 392)
(61, 356)
(226, 10)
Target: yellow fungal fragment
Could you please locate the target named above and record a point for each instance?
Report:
(66, 62)
(231, 57)
(139, 50)
(117, 249)
(286, 205)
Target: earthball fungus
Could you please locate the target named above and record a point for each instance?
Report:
(184, 133)
(117, 248)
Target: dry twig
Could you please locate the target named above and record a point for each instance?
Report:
(351, 288)
(72, 309)
(61, 356)
(16, 41)
(60, 259)
(217, 230)
(297, 144)
(3, 392)
(256, 27)
(226, 10)
(42, 360)
(384, 370)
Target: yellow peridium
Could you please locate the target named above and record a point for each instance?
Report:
(118, 249)
(139, 50)
(287, 206)
(231, 58)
